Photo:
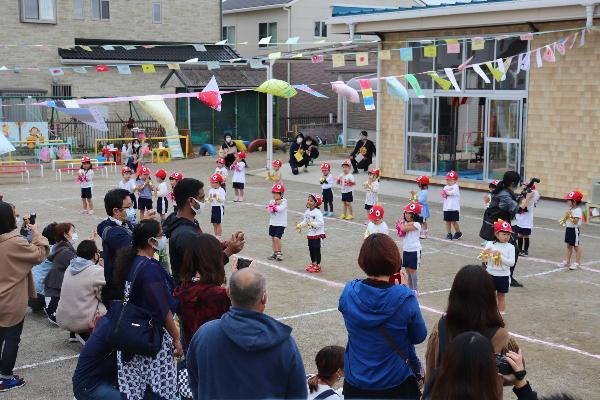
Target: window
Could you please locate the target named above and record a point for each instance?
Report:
(320, 29)
(61, 91)
(156, 13)
(38, 11)
(78, 9)
(229, 35)
(420, 64)
(267, 29)
(101, 9)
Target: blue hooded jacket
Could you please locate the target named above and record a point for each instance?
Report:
(245, 355)
(370, 362)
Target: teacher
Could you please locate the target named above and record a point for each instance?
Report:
(363, 153)
(229, 149)
(299, 156)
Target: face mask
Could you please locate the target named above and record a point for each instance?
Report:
(200, 208)
(74, 237)
(130, 214)
(299, 140)
(228, 139)
(309, 143)
(161, 243)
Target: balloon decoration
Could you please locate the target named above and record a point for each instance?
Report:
(396, 89)
(346, 91)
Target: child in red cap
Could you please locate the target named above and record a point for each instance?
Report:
(221, 169)
(86, 182)
(326, 182)
(173, 179)
(313, 220)
(162, 191)
(216, 197)
(239, 176)
(128, 184)
(451, 195)
(144, 187)
(499, 256)
(277, 209)
(572, 222)
(274, 174)
(376, 223)
(411, 243)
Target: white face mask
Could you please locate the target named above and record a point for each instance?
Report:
(308, 143)
(299, 140)
(130, 214)
(74, 237)
(198, 210)
(161, 243)
(228, 139)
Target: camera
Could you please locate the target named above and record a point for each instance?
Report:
(32, 217)
(528, 188)
(243, 263)
(504, 367)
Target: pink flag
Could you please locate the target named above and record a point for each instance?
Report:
(317, 59)
(210, 95)
(549, 54)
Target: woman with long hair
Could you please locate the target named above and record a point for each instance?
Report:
(330, 369)
(150, 287)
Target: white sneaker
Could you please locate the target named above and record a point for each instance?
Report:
(574, 266)
(564, 264)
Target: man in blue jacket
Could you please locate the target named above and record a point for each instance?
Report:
(246, 354)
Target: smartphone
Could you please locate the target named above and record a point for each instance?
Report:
(243, 263)
(395, 277)
(32, 218)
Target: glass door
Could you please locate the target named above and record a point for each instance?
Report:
(503, 137)
(420, 137)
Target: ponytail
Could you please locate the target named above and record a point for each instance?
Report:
(509, 178)
(329, 360)
(313, 383)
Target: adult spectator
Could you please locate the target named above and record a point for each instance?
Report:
(41, 270)
(471, 307)
(80, 295)
(134, 156)
(298, 156)
(229, 150)
(182, 226)
(255, 355)
(505, 205)
(312, 149)
(362, 155)
(150, 288)
(16, 285)
(384, 323)
(95, 377)
(62, 254)
(330, 367)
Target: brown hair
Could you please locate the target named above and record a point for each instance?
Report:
(379, 255)
(329, 360)
(203, 254)
(61, 230)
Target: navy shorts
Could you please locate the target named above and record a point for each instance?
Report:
(86, 193)
(411, 259)
(522, 231)
(238, 185)
(216, 214)
(572, 237)
(144, 204)
(451, 216)
(368, 207)
(347, 197)
(276, 231)
(327, 196)
(501, 283)
(162, 205)
(133, 200)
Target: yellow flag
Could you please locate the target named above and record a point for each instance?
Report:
(385, 55)
(86, 48)
(495, 71)
(477, 43)
(444, 83)
(430, 51)
(297, 55)
(148, 68)
(338, 60)
(362, 59)
(275, 56)
(173, 66)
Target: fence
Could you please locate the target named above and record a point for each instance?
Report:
(325, 127)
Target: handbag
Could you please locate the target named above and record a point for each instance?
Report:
(416, 370)
(132, 329)
(183, 381)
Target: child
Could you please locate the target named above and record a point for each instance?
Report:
(525, 223)
(572, 221)
(347, 182)
(411, 245)
(173, 179)
(499, 256)
(330, 369)
(421, 198)
(372, 186)
(216, 196)
(128, 184)
(451, 195)
(144, 187)
(277, 209)
(326, 185)
(239, 176)
(162, 191)
(376, 223)
(275, 175)
(313, 220)
(86, 182)
(222, 170)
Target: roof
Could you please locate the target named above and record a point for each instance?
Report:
(346, 11)
(163, 53)
(228, 77)
(231, 5)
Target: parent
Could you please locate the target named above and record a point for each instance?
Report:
(382, 320)
(229, 150)
(16, 285)
(505, 205)
(298, 156)
(362, 155)
(312, 149)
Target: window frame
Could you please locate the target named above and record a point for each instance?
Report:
(269, 33)
(37, 20)
(159, 4)
(322, 26)
(82, 16)
(225, 32)
(100, 16)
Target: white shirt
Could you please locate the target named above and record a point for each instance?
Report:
(279, 218)
(372, 198)
(322, 388)
(89, 182)
(217, 197)
(222, 171)
(129, 185)
(162, 190)
(317, 224)
(239, 172)
(507, 258)
(576, 213)
(347, 182)
(525, 220)
(452, 202)
(376, 228)
(411, 241)
(328, 184)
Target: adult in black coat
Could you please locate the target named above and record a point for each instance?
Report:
(364, 151)
(229, 149)
(312, 149)
(300, 146)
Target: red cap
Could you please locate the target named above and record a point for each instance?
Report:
(145, 171)
(241, 154)
(86, 159)
(422, 180)
(161, 173)
(277, 163)
(318, 199)
(376, 213)
(452, 175)
(220, 161)
(575, 195)
(278, 188)
(346, 162)
(502, 226)
(125, 169)
(494, 182)
(413, 207)
(325, 166)
(176, 175)
(216, 178)
(375, 171)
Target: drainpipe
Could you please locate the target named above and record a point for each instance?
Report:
(589, 13)
(289, 65)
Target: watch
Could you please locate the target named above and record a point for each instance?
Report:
(520, 375)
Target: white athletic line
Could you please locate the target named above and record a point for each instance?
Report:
(50, 361)
(434, 291)
(306, 314)
(300, 274)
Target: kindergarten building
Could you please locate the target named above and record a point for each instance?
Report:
(542, 121)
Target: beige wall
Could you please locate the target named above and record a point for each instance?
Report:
(563, 132)
(246, 30)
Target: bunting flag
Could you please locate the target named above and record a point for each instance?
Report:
(477, 43)
(89, 116)
(124, 69)
(211, 95)
(199, 47)
(384, 55)
(396, 89)
(414, 83)
(338, 60)
(560, 47)
(80, 70)
(367, 92)
(450, 74)
(56, 71)
(549, 54)
(406, 54)
(538, 58)
(524, 62)
(210, 65)
(256, 63)
(148, 68)
(496, 73)
(151, 46)
(265, 41)
(102, 68)
(444, 83)
(341, 89)
(574, 40)
(582, 40)
(275, 56)
(174, 67)
(452, 46)
(317, 59)
(309, 90)
(86, 48)
(481, 74)
(297, 55)
(221, 43)
(465, 64)
(292, 40)
(129, 47)
(108, 47)
(430, 51)
(526, 36)
(362, 59)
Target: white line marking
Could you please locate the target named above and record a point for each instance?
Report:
(306, 314)
(50, 361)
